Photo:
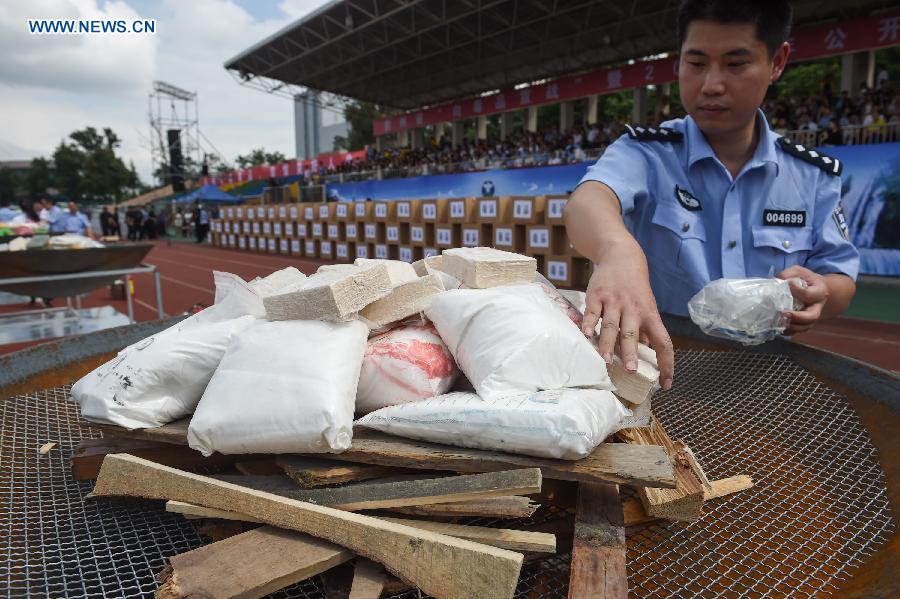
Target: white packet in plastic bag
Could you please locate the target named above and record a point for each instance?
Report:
(749, 311)
(407, 363)
(283, 387)
(513, 339)
(162, 377)
(560, 423)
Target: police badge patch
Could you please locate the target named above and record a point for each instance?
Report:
(687, 201)
(841, 221)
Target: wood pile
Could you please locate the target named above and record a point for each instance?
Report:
(383, 517)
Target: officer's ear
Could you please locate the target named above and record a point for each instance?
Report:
(779, 60)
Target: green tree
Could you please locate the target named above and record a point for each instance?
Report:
(807, 79)
(360, 117)
(9, 184)
(259, 157)
(37, 179)
(88, 169)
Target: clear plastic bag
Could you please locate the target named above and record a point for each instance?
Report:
(749, 311)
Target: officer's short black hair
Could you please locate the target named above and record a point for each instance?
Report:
(771, 18)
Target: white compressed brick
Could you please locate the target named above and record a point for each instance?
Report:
(334, 267)
(286, 278)
(399, 272)
(635, 387)
(482, 267)
(335, 295)
(428, 265)
(404, 301)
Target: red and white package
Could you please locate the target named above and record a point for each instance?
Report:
(408, 363)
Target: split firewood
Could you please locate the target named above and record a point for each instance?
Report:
(685, 501)
(439, 565)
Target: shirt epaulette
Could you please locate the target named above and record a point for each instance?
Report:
(830, 165)
(641, 133)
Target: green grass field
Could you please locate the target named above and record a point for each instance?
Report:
(876, 300)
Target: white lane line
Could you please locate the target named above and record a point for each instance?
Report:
(153, 309)
(183, 284)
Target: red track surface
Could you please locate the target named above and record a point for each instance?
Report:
(186, 270)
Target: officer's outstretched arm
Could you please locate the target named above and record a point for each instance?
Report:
(619, 290)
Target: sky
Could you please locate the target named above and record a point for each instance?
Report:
(52, 85)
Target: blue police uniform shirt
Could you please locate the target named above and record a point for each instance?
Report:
(55, 220)
(8, 213)
(76, 223)
(697, 224)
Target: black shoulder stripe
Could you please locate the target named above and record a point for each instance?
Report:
(641, 133)
(830, 165)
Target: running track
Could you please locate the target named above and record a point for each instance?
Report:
(187, 269)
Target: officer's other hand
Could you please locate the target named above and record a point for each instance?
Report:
(813, 297)
(619, 293)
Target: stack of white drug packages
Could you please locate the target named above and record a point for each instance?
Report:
(470, 348)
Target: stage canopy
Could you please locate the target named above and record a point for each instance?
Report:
(413, 53)
(211, 194)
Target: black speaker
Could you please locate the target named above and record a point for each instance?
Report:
(176, 162)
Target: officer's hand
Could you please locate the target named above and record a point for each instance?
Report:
(619, 293)
(814, 297)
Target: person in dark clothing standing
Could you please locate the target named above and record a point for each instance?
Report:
(201, 223)
(135, 220)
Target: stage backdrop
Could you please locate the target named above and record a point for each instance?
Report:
(871, 195)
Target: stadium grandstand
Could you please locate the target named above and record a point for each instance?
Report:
(483, 85)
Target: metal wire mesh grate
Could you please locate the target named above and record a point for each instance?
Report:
(818, 508)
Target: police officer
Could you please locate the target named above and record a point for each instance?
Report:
(76, 223)
(53, 216)
(717, 194)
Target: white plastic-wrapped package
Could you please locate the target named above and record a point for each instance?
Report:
(572, 311)
(561, 423)
(407, 363)
(513, 339)
(277, 281)
(161, 378)
(749, 311)
(283, 387)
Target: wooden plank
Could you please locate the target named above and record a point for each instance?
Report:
(368, 580)
(375, 496)
(495, 507)
(635, 513)
(311, 472)
(685, 501)
(89, 454)
(249, 565)
(513, 506)
(610, 462)
(515, 540)
(598, 549)
(440, 565)
(174, 433)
